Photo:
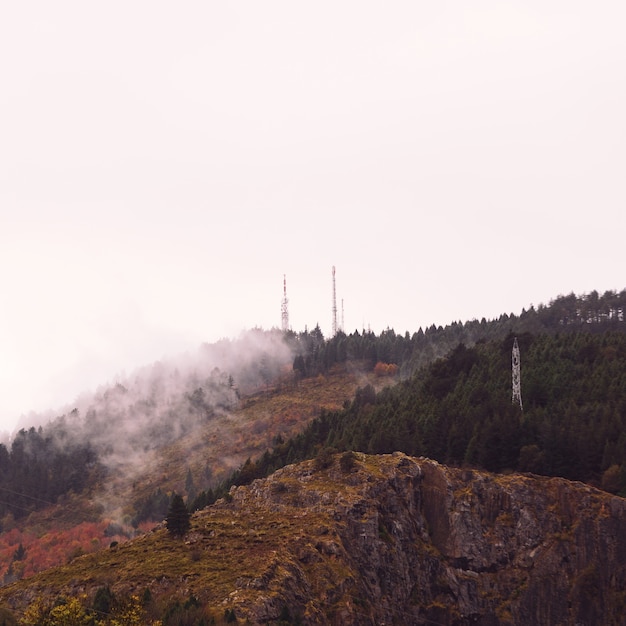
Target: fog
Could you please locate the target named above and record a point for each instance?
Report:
(125, 422)
(162, 167)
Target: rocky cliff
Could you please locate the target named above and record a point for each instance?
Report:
(391, 539)
(419, 543)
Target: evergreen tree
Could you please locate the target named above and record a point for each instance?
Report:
(103, 600)
(178, 519)
(20, 553)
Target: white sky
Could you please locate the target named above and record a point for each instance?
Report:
(163, 164)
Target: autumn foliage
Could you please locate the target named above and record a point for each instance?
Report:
(385, 369)
(52, 548)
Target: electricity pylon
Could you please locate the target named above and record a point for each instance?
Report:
(517, 380)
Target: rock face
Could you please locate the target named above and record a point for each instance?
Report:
(373, 540)
(407, 541)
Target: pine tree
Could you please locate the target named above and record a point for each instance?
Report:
(20, 553)
(178, 518)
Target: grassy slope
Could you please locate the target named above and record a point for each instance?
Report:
(227, 441)
(51, 536)
(230, 548)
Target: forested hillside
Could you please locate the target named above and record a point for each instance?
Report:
(590, 313)
(117, 429)
(459, 411)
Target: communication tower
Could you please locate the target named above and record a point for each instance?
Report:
(334, 305)
(284, 310)
(517, 381)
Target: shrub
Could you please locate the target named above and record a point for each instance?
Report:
(324, 459)
(347, 461)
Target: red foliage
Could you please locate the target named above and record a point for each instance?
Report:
(54, 547)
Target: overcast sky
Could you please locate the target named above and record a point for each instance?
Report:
(163, 164)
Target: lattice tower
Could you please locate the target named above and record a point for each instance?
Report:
(517, 380)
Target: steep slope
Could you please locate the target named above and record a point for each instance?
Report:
(220, 446)
(207, 454)
(357, 539)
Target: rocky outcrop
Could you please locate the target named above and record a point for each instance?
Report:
(372, 540)
(408, 541)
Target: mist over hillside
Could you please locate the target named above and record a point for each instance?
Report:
(159, 403)
(125, 422)
(187, 424)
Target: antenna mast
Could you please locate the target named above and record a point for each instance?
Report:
(517, 381)
(334, 305)
(283, 307)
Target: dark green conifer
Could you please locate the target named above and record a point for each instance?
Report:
(178, 518)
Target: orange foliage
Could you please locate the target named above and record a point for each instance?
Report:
(385, 369)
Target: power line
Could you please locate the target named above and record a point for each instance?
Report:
(36, 499)
(25, 495)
